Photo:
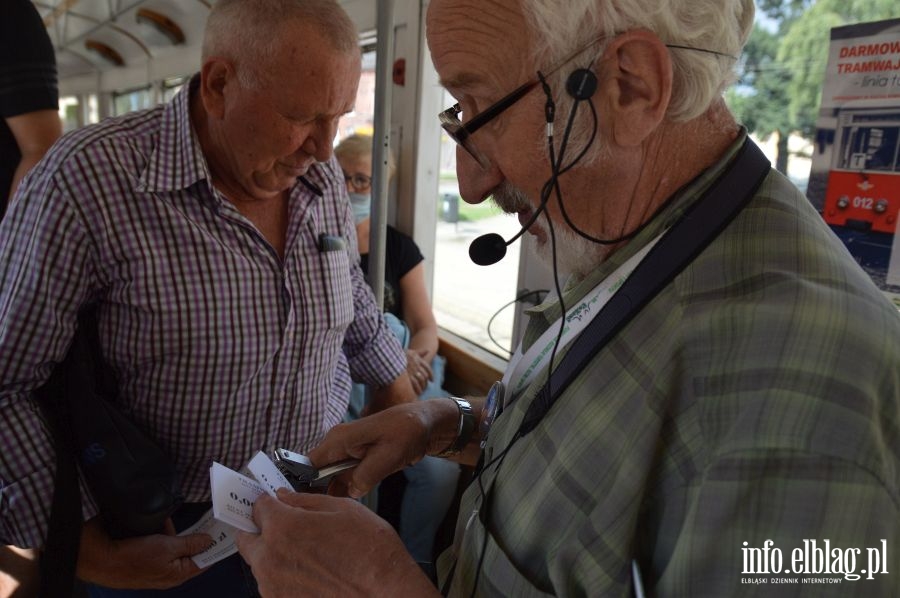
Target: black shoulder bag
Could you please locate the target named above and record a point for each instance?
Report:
(130, 477)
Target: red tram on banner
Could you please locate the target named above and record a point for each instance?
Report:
(864, 179)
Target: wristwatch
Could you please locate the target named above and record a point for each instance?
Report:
(465, 430)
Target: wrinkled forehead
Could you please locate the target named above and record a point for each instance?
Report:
(304, 65)
(476, 42)
(304, 49)
(324, 95)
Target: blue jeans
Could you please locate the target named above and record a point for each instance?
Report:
(430, 483)
(430, 488)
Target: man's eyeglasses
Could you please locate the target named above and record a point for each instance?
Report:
(462, 133)
(358, 181)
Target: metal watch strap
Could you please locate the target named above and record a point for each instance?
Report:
(465, 430)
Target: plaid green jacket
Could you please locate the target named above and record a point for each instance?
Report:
(739, 437)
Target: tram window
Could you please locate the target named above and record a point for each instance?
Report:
(93, 108)
(78, 110)
(171, 86)
(69, 107)
(361, 120)
(882, 151)
(131, 100)
(873, 148)
(466, 297)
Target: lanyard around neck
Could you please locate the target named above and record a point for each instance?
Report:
(677, 248)
(524, 368)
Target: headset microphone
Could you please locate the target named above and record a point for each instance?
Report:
(491, 248)
(487, 249)
(581, 84)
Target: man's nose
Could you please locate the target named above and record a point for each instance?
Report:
(320, 140)
(475, 182)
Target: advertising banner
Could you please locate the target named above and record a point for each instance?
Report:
(855, 176)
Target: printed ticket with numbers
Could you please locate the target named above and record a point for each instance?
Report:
(233, 495)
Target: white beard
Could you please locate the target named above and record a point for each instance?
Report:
(575, 255)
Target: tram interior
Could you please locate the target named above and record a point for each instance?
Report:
(115, 56)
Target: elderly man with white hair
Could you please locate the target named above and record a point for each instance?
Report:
(724, 407)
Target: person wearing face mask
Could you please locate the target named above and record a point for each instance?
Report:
(359, 201)
(430, 483)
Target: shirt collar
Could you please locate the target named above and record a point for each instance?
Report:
(323, 175)
(683, 199)
(177, 161)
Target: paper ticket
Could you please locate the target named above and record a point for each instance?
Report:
(233, 496)
(267, 474)
(223, 540)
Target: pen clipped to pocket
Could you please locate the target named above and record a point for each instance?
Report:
(331, 243)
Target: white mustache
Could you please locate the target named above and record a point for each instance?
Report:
(510, 199)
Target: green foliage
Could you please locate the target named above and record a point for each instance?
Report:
(864, 10)
(803, 52)
(781, 81)
(783, 10)
(759, 101)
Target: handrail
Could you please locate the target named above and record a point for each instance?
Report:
(381, 149)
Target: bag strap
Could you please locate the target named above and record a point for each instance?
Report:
(693, 232)
(60, 553)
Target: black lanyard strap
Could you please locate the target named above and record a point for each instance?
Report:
(678, 247)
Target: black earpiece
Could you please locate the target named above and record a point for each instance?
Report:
(581, 84)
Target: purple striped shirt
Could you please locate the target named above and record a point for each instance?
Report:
(220, 347)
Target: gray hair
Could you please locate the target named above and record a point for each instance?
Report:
(700, 77)
(246, 31)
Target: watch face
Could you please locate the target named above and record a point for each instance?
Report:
(492, 406)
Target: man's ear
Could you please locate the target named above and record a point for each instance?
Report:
(638, 85)
(216, 75)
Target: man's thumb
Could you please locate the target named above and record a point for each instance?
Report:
(192, 544)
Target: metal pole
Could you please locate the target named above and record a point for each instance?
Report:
(381, 146)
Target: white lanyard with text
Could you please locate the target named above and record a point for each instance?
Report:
(524, 368)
